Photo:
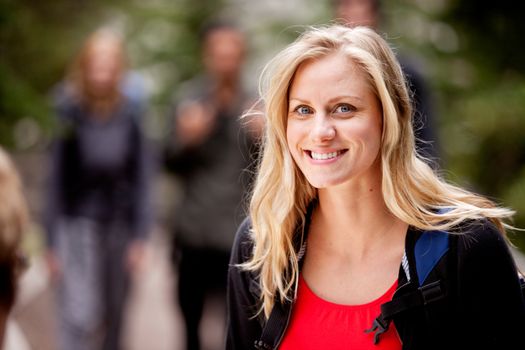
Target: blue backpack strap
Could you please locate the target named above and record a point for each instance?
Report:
(428, 251)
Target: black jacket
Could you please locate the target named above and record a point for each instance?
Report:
(482, 307)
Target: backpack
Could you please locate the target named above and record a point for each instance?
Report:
(429, 248)
(428, 251)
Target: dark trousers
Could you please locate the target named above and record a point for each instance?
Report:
(202, 271)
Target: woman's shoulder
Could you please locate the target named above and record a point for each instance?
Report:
(481, 241)
(479, 233)
(243, 243)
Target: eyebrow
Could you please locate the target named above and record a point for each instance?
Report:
(297, 99)
(332, 100)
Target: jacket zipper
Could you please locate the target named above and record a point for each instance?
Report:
(303, 248)
(393, 296)
(285, 326)
(289, 315)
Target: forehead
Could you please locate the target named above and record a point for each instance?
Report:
(327, 76)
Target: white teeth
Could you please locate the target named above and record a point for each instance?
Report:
(323, 156)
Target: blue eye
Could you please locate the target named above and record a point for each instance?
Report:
(344, 108)
(303, 110)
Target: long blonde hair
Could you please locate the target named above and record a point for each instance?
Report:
(13, 222)
(413, 192)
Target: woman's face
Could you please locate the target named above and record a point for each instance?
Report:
(103, 68)
(334, 123)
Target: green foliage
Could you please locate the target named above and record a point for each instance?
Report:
(38, 40)
(18, 100)
(486, 144)
(475, 63)
(472, 51)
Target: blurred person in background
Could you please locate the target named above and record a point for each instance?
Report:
(13, 221)
(368, 13)
(209, 149)
(98, 211)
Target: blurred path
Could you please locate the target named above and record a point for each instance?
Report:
(153, 320)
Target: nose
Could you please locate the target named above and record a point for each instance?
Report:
(323, 128)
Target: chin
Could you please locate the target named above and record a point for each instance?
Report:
(324, 183)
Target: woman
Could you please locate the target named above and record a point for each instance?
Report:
(98, 213)
(14, 218)
(343, 209)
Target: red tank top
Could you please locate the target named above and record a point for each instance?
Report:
(319, 324)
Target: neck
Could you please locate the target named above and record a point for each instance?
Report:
(355, 221)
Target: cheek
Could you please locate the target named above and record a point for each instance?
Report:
(371, 134)
(289, 135)
(374, 136)
(292, 134)
(292, 139)
(368, 136)
(360, 130)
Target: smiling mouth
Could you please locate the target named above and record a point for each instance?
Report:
(325, 156)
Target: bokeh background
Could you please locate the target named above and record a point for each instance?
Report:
(471, 53)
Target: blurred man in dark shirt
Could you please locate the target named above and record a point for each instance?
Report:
(209, 150)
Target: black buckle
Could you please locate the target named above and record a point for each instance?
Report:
(431, 292)
(378, 327)
(259, 344)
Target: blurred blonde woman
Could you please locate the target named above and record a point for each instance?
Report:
(13, 221)
(98, 204)
(352, 241)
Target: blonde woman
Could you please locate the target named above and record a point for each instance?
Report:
(352, 241)
(13, 222)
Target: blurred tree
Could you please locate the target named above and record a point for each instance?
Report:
(474, 58)
(488, 113)
(472, 52)
(38, 40)
(493, 32)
